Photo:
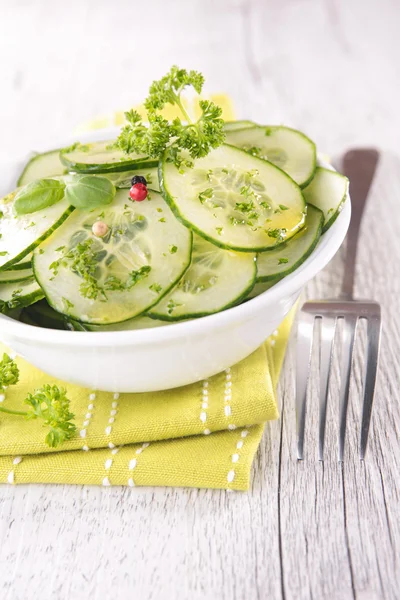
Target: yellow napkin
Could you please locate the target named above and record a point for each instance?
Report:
(202, 435)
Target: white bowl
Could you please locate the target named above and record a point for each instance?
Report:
(174, 355)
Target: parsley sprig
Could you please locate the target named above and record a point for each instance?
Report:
(49, 403)
(9, 372)
(197, 138)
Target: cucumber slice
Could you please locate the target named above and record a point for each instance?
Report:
(144, 254)
(19, 235)
(19, 294)
(328, 192)
(234, 200)
(100, 157)
(216, 279)
(124, 178)
(234, 125)
(47, 164)
(261, 287)
(288, 256)
(25, 264)
(130, 325)
(14, 276)
(287, 148)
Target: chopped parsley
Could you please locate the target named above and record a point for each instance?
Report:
(244, 207)
(82, 261)
(172, 305)
(173, 249)
(254, 151)
(67, 303)
(136, 276)
(235, 221)
(76, 146)
(162, 220)
(283, 261)
(4, 253)
(206, 195)
(115, 284)
(219, 230)
(155, 287)
(277, 233)
(246, 191)
(283, 207)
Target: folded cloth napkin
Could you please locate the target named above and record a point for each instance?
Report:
(201, 435)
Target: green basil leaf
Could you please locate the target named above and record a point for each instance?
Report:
(38, 195)
(90, 191)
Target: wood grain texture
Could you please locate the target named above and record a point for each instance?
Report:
(305, 530)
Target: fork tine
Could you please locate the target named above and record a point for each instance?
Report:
(303, 362)
(328, 328)
(348, 337)
(373, 337)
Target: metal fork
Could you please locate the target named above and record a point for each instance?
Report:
(359, 165)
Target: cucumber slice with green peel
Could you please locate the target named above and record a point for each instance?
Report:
(20, 234)
(123, 179)
(23, 265)
(117, 277)
(261, 287)
(41, 166)
(288, 256)
(328, 192)
(130, 325)
(19, 294)
(234, 125)
(101, 157)
(234, 200)
(216, 279)
(14, 276)
(287, 148)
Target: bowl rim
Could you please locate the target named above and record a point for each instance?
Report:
(325, 250)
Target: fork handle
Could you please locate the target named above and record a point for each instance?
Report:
(359, 165)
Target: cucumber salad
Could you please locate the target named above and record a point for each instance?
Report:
(173, 220)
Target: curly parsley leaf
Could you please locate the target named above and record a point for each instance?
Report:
(168, 89)
(9, 372)
(197, 138)
(51, 404)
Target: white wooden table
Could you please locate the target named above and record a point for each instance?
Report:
(305, 530)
